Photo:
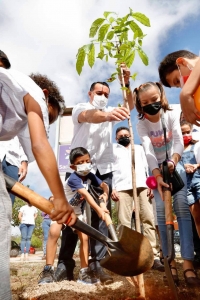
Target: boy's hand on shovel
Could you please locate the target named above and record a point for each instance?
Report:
(62, 212)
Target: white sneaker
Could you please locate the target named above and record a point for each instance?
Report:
(22, 257)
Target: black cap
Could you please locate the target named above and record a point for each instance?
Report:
(5, 60)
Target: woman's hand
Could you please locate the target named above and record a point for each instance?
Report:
(189, 168)
(171, 166)
(160, 186)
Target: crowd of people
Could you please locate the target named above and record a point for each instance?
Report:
(29, 104)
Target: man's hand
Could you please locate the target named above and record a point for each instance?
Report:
(126, 74)
(118, 114)
(104, 197)
(62, 212)
(150, 194)
(115, 196)
(22, 171)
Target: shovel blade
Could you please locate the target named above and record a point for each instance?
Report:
(136, 255)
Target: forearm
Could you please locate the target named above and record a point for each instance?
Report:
(176, 158)
(93, 116)
(105, 188)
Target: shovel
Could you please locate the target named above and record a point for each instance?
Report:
(170, 230)
(130, 256)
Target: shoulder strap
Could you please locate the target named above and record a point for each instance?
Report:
(164, 130)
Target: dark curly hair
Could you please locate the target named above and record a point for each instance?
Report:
(45, 83)
(168, 64)
(144, 87)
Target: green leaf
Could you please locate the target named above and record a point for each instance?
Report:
(124, 36)
(111, 20)
(140, 43)
(107, 57)
(111, 79)
(80, 60)
(130, 59)
(123, 47)
(134, 27)
(103, 31)
(133, 76)
(110, 35)
(95, 26)
(141, 18)
(101, 53)
(143, 56)
(91, 56)
(107, 13)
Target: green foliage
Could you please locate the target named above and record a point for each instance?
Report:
(36, 241)
(118, 38)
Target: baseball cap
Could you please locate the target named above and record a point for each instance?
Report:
(5, 59)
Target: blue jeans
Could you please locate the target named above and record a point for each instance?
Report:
(11, 171)
(26, 234)
(181, 209)
(45, 227)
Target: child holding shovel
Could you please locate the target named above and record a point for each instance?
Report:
(150, 103)
(76, 190)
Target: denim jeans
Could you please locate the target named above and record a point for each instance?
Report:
(26, 234)
(11, 171)
(45, 227)
(181, 209)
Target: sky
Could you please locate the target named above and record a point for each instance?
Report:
(44, 36)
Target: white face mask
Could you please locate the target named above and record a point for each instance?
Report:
(83, 169)
(100, 101)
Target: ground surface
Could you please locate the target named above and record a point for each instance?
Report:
(24, 276)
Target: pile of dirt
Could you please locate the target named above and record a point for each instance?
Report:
(24, 279)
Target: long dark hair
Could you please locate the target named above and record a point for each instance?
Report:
(144, 87)
(184, 122)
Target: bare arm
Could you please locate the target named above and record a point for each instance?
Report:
(97, 116)
(47, 162)
(100, 211)
(105, 189)
(190, 112)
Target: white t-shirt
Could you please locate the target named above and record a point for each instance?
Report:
(152, 138)
(122, 176)
(13, 119)
(13, 151)
(28, 213)
(96, 138)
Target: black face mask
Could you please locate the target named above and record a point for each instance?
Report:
(152, 109)
(124, 141)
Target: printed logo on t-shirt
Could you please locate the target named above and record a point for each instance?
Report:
(158, 141)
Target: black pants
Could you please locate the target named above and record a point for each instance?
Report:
(69, 238)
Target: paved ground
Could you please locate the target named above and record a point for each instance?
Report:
(37, 257)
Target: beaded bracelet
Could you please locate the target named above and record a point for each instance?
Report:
(159, 175)
(172, 162)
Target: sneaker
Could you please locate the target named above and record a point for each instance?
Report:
(26, 257)
(99, 273)
(158, 266)
(63, 273)
(47, 275)
(87, 277)
(22, 257)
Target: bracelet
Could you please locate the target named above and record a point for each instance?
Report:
(159, 175)
(24, 161)
(127, 85)
(172, 162)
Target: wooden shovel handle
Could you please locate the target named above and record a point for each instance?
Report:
(168, 207)
(28, 195)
